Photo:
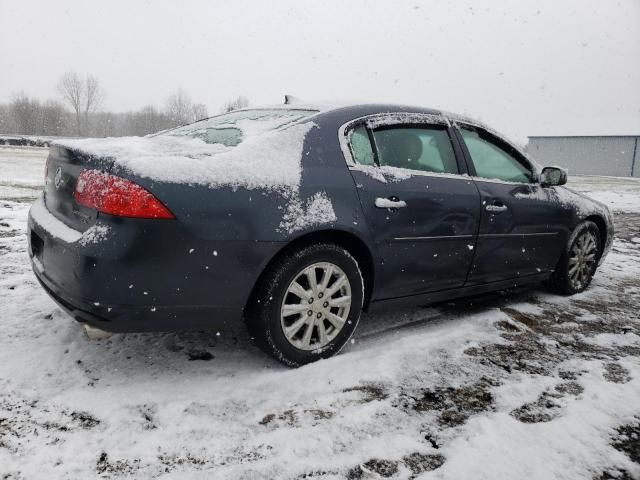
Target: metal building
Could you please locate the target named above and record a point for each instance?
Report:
(589, 155)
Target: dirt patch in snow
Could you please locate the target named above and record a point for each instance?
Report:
(375, 466)
(616, 373)
(537, 343)
(292, 417)
(419, 462)
(288, 417)
(454, 405)
(85, 419)
(416, 463)
(368, 393)
(627, 440)
(106, 467)
(20, 419)
(544, 409)
(627, 226)
(569, 388)
(616, 475)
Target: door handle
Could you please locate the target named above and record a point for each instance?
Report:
(391, 202)
(496, 208)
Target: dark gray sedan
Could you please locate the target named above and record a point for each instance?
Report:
(296, 219)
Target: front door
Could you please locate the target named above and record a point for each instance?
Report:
(422, 212)
(522, 226)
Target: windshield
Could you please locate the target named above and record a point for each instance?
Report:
(230, 129)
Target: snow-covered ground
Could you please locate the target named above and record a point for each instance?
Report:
(619, 193)
(520, 384)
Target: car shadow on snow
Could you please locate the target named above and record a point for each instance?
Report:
(231, 351)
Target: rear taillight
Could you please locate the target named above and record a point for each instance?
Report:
(117, 196)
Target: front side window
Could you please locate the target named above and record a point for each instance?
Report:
(492, 161)
(425, 149)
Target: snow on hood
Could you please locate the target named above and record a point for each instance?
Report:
(270, 161)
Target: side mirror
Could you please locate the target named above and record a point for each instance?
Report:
(553, 176)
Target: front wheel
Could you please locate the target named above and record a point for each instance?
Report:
(308, 305)
(579, 261)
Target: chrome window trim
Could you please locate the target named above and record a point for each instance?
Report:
(453, 176)
(457, 120)
(444, 118)
(497, 180)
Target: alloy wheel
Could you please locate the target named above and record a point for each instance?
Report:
(582, 259)
(316, 306)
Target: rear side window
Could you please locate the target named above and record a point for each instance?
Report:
(423, 149)
(361, 146)
(492, 161)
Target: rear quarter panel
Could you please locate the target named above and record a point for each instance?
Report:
(225, 236)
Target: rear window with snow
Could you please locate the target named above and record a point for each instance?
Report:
(230, 129)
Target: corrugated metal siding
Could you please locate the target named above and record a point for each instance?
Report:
(617, 156)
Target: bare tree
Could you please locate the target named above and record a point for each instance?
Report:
(179, 108)
(53, 121)
(83, 96)
(6, 119)
(30, 116)
(25, 113)
(144, 121)
(200, 111)
(71, 89)
(152, 120)
(235, 104)
(93, 97)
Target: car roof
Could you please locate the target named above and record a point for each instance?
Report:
(349, 107)
(355, 110)
(347, 110)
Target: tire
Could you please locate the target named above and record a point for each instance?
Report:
(579, 261)
(278, 315)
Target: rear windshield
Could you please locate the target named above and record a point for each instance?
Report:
(232, 128)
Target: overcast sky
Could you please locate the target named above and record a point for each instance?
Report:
(525, 67)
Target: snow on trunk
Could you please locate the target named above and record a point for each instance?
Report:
(270, 161)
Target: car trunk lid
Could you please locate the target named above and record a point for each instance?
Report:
(63, 168)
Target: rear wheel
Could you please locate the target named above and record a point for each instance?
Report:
(308, 305)
(578, 263)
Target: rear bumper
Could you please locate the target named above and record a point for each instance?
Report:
(131, 318)
(145, 275)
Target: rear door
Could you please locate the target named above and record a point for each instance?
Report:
(522, 226)
(422, 211)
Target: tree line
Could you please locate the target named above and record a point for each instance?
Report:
(78, 113)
